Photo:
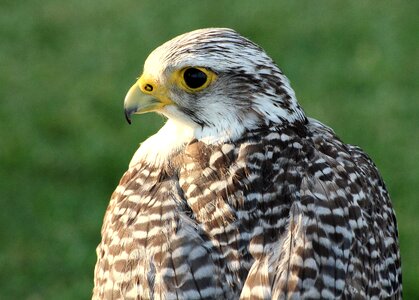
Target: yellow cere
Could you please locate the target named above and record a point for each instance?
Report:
(149, 86)
(145, 82)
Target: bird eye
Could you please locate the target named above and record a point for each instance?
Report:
(194, 78)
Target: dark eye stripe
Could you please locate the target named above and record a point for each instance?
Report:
(194, 78)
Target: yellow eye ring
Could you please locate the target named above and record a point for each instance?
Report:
(195, 79)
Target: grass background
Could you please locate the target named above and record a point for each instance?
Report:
(65, 67)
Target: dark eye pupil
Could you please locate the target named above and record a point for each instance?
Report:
(194, 78)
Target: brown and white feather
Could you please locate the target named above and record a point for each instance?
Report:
(279, 209)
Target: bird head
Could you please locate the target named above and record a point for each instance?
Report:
(213, 79)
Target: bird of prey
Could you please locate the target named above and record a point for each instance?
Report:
(240, 195)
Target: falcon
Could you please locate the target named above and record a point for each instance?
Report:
(240, 195)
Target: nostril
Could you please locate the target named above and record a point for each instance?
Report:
(148, 87)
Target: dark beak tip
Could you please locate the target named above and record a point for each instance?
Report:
(127, 116)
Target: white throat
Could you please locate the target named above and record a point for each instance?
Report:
(174, 135)
(171, 137)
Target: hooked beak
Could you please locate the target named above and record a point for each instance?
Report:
(144, 96)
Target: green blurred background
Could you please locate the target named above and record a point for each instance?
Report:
(65, 67)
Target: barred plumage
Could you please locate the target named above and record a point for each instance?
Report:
(240, 195)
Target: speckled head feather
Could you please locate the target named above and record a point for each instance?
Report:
(249, 88)
(239, 195)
